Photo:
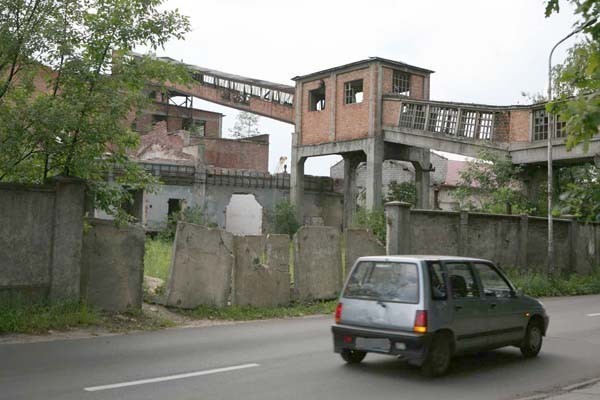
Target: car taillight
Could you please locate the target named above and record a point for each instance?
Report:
(338, 313)
(420, 322)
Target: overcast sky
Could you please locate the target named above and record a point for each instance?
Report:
(483, 51)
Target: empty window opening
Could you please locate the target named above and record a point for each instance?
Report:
(317, 99)
(174, 206)
(158, 118)
(401, 83)
(195, 128)
(354, 91)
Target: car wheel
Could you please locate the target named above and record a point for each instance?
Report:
(532, 342)
(353, 356)
(438, 357)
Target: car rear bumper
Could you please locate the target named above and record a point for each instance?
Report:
(406, 345)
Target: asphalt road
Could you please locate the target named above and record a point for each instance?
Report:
(289, 359)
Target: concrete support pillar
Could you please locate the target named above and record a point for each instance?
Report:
(523, 240)
(297, 185)
(374, 173)
(423, 179)
(351, 162)
(397, 216)
(463, 234)
(67, 239)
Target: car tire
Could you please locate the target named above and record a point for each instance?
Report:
(353, 356)
(532, 342)
(439, 356)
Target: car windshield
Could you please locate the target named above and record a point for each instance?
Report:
(384, 281)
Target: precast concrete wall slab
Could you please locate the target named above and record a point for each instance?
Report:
(360, 243)
(317, 263)
(261, 274)
(112, 266)
(201, 268)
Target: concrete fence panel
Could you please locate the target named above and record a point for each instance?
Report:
(434, 232)
(317, 263)
(201, 269)
(360, 243)
(494, 237)
(112, 266)
(261, 275)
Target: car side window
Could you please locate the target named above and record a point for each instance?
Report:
(462, 281)
(436, 279)
(494, 285)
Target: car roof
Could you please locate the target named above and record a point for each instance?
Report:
(419, 257)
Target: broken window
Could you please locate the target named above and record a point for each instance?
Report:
(540, 125)
(413, 116)
(401, 83)
(354, 91)
(156, 118)
(443, 120)
(317, 99)
(174, 206)
(195, 128)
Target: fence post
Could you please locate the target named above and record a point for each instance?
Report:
(523, 241)
(463, 234)
(397, 216)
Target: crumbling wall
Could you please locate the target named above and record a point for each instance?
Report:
(202, 266)
(261, 275)
(112, 266)
(360, 243)
(317, 263)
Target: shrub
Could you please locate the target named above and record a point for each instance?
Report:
(284, 218)
(372, 220)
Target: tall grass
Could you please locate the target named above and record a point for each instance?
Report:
(538, 284)
(40, 318)
(157, 260)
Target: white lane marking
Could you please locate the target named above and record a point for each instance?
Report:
(170, 377)
(594, 315)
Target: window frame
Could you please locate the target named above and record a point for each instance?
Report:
(350, 92)
(397, 81)
(312, 105)
(513, 290)
(474, 276)
(370, 272)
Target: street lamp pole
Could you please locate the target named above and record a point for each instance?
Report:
(551, 128)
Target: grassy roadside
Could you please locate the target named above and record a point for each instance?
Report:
(157, 259)
(43, 318)
(247, 313)
(538, 284)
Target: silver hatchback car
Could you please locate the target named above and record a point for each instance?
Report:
(425, 309)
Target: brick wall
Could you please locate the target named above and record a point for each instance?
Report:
(315, 124)
(352, 120)
(390, 115)
(237, 154)
(501, 127)
(519, 126)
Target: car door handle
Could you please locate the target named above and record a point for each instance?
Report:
(458, 308)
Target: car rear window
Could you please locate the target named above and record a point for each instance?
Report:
(384, 281)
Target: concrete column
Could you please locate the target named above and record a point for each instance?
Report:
(199, 185)
(573, 238)
(397, 216)
(67, 240)
(297, 185)
(374, 173)
(351, 162)
(463, 234)
(422, 178)
(523, 239)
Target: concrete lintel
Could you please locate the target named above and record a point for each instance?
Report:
(332, 148)
(445, 143)
(396, 151)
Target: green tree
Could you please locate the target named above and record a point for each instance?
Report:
(405, 191)
(578, 97)
(491, 183)
(284, 218)
(246, 125)
(68, 84)
(580, 192)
